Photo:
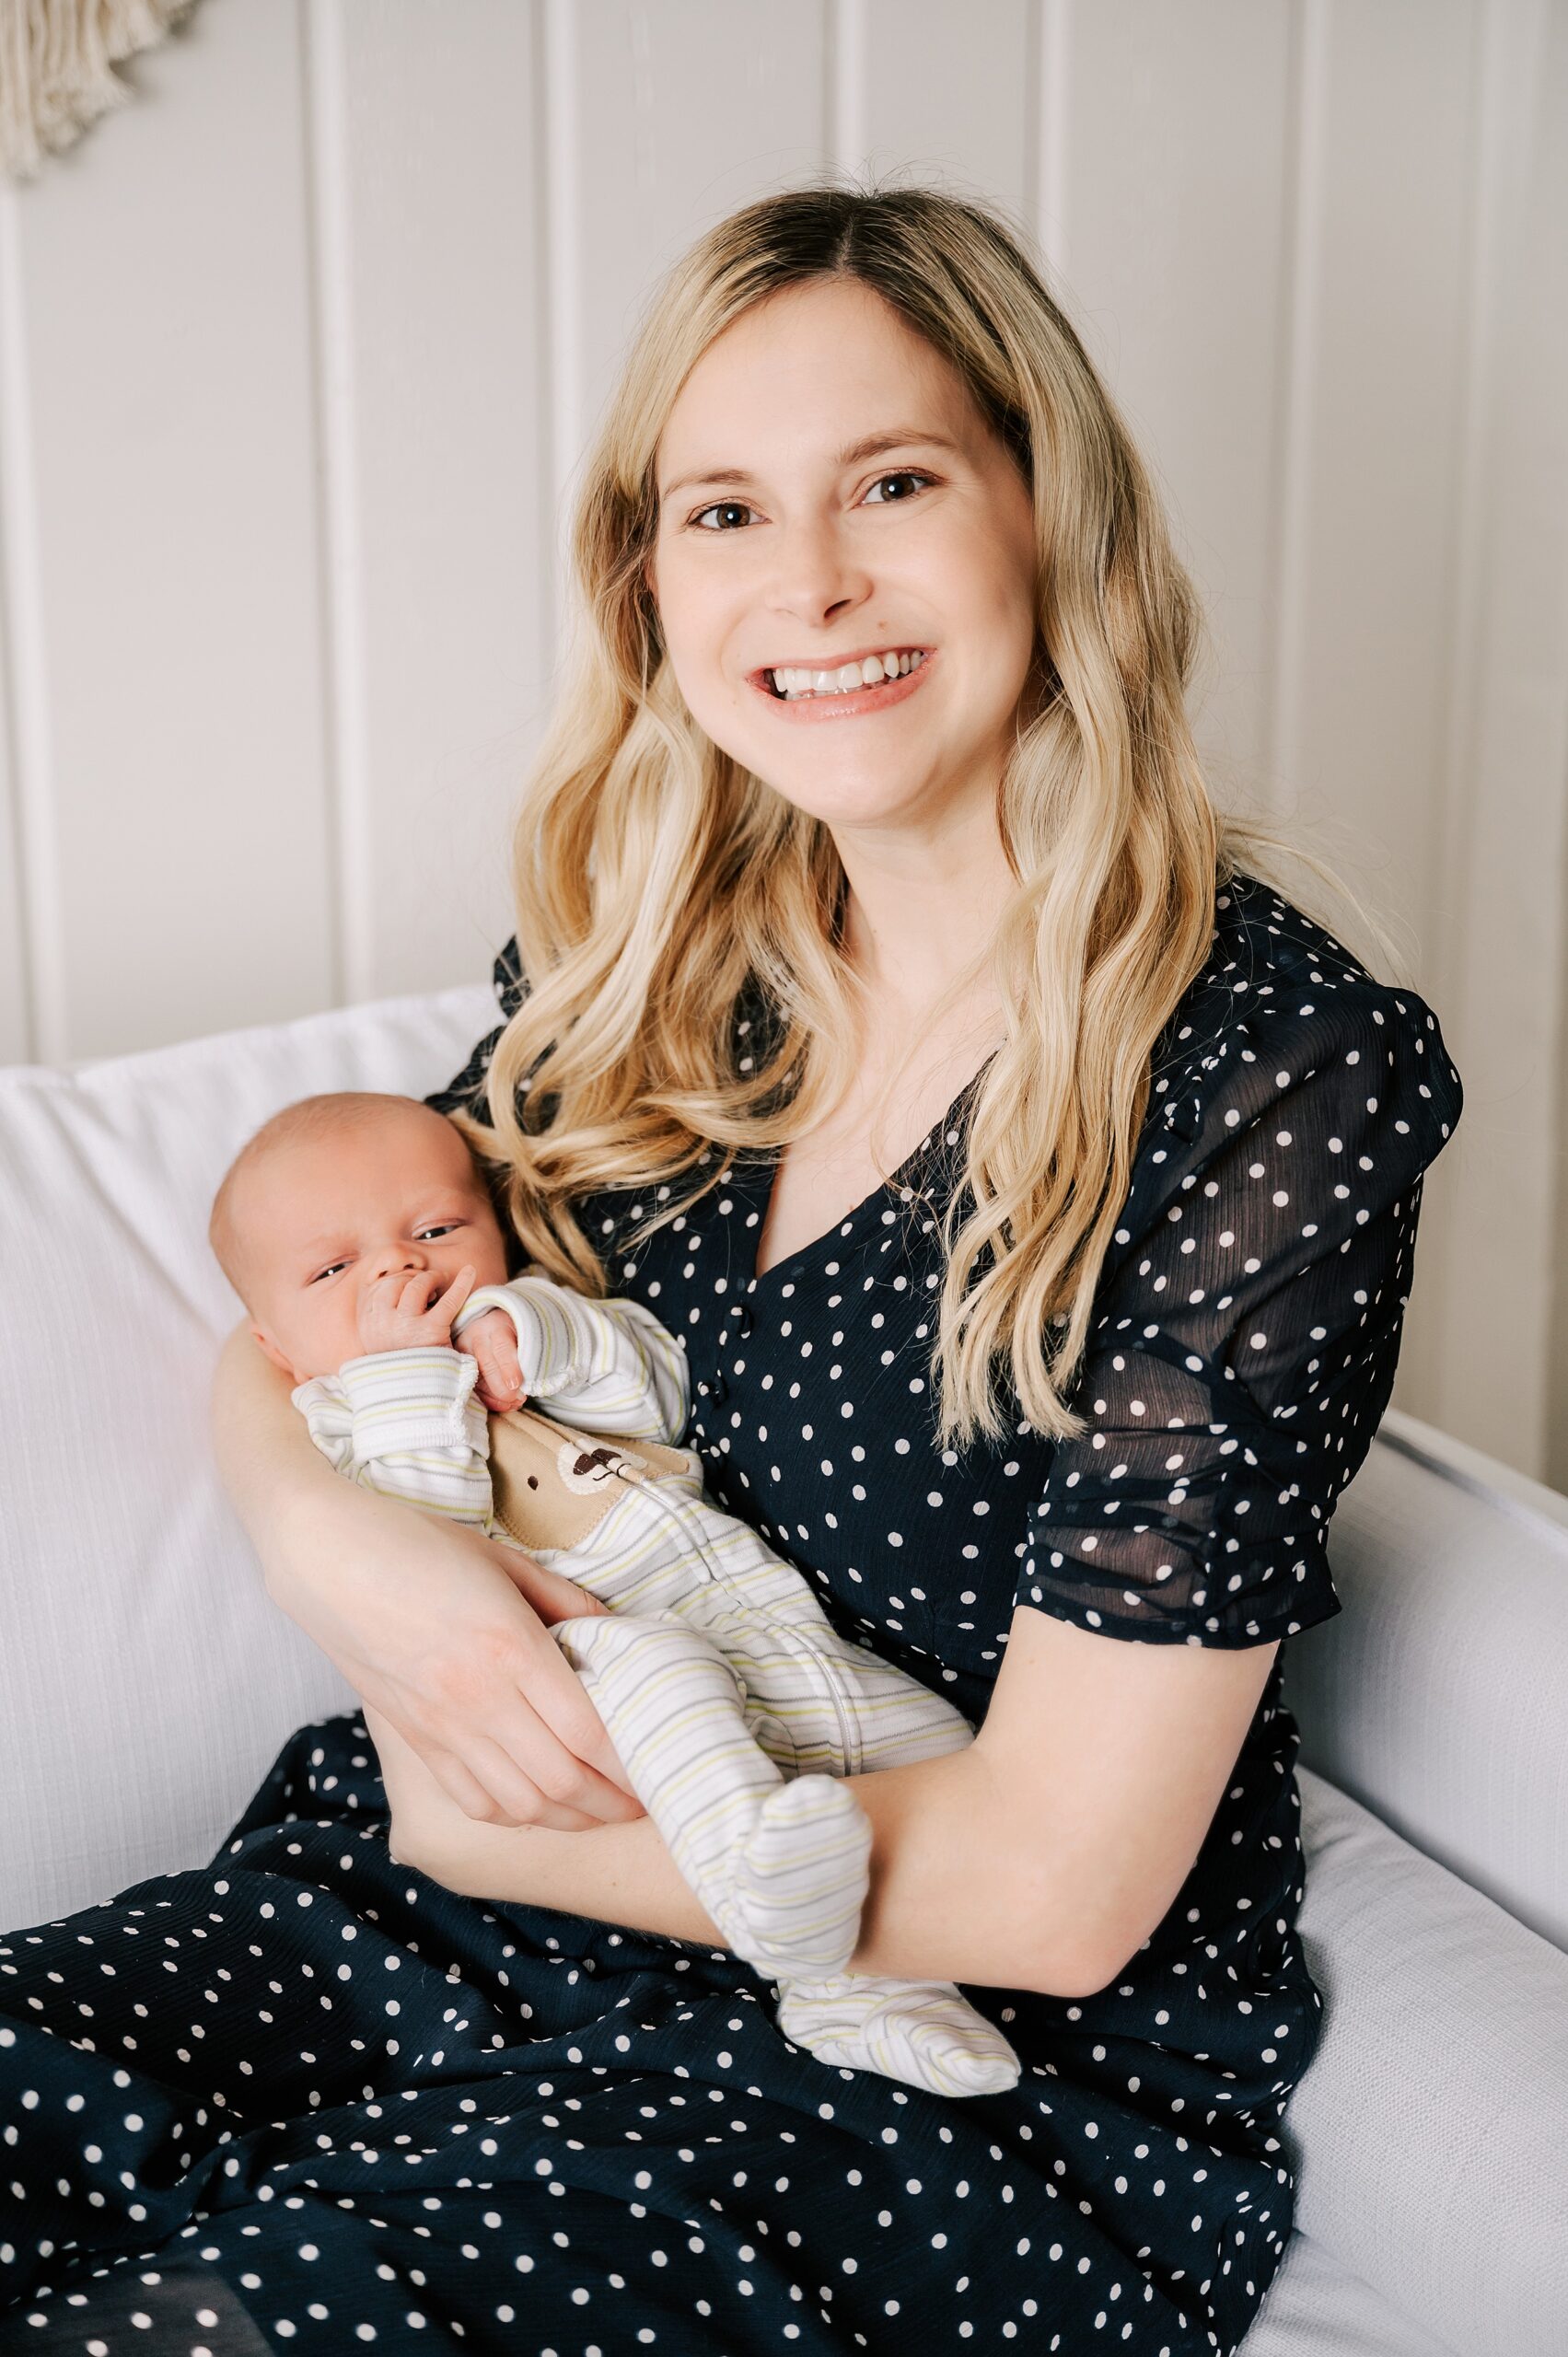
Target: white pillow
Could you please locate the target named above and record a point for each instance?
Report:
(146, 1679)
(1315, 2308)
(1432, 2124)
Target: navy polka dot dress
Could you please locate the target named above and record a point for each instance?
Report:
(306, 2099)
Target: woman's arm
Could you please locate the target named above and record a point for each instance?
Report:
(942, 1873)
(427, 1620)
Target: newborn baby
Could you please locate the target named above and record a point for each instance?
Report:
(359, 1233)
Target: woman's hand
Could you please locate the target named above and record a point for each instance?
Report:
(437, 1630)
(428, 1620)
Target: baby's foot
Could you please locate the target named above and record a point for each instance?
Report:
(800, 1880)
(921, 2031)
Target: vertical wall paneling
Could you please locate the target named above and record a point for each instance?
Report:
(30, 986)
(1296, 310)
(1052, 86)
(700, 108)
(1378, 367)
(302, 350)
(429, 327)
(844, 64)
(912, 105)
(1498, 1373)
(346, 787)
(1380, 427)
(16, 1001)
(567, 294)
(176, 658)
(1175, 186)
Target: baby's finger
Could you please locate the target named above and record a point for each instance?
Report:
(456, 1293)
(499, 1364)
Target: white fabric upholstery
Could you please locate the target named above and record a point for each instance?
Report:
(146, 1680)
(1315, 2308)
(1431, 2131)
(1439, 1696)
(146, 1683)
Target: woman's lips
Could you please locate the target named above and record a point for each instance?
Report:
(858, 700)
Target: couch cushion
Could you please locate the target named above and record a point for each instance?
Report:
(1437, 1696)
(1315, 2308)
(1429, 2130)
(146, 1679)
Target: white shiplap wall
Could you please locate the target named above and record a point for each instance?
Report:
(299, 351)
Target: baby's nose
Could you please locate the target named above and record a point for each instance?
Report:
(396, 1257)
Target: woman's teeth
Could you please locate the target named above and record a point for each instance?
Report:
(791, 683)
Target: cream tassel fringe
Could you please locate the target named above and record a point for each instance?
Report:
(56, 67)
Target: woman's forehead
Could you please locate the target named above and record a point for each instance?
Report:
(799, 363)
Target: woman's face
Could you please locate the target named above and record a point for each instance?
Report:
(829, 490)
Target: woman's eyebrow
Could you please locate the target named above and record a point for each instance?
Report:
(870, 446)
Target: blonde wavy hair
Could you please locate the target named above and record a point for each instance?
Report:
(656, 879)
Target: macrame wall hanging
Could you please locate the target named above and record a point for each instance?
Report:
(57, 61)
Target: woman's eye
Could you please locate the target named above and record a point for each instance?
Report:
(740, 506)
(722, 508)
(904, 474)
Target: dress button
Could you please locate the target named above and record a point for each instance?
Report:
(742, 1319)
(719, 1387)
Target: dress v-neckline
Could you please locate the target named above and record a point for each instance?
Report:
(759, 1166)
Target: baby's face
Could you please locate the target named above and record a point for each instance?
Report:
(320, 1220)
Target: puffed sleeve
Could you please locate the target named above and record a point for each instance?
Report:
(1247, 1330)
(465, 1092)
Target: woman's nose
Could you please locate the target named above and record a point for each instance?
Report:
(818, 575)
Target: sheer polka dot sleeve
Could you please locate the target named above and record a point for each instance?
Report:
(465, 1091)
(1248, 1328)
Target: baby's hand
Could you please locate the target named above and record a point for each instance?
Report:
(493, 1341)
(400, 1312)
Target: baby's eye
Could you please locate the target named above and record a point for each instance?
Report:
(440, 1228)
(329, 1272)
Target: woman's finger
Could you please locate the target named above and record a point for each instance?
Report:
(552, 1735)
(459, 1782)
(503, 1799)
(519, 1800)
(552, 1596)
(523, 1774)
(556, 1695)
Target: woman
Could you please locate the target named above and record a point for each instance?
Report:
(1055, 1416)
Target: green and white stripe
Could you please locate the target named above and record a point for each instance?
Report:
(737, 1709)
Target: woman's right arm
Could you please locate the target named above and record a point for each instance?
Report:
(428, 1620)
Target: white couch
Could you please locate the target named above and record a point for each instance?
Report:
(145, 1684)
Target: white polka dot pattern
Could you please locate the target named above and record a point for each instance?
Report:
(1249, 1328)
(303, 2097)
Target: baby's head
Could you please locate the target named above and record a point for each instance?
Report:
(333, 1192)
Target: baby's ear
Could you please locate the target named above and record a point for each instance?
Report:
(264, 1341)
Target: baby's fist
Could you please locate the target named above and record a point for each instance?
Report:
(409, 1309)
(492, 1343)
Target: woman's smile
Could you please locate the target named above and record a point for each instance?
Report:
(843, 703)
